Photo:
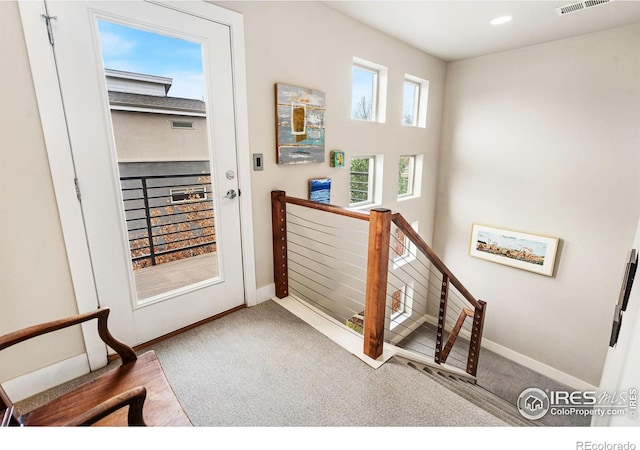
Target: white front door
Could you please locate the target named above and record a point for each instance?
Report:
(156, 158)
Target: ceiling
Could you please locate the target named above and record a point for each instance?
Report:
(455, 29)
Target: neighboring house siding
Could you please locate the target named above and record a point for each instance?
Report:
(143, 137)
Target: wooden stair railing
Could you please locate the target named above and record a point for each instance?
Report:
(377, 269)
(453, 335)
(448, 278)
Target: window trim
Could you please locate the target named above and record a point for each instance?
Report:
(407, 310)
(370, 183)
(374, 93)
(410, 252)
(410, 177)
(379, 100)
(416, 182)
(191, 190)
(422, 101)
(416, 103)
(374, 188)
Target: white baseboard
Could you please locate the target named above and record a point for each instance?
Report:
(48, 377)
(539, 367)
(265, 293)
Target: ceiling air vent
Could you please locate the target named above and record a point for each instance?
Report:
(580, 6)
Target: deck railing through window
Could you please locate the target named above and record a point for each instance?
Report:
(375, 273)
(169, 217)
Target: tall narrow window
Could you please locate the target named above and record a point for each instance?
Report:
(410, 103)
(401, 305)
(361, 179)
(400, 244)
(398, 302)
(414, 102)
(406, 176)
(363, 101)
(368, 91)
(403, 251)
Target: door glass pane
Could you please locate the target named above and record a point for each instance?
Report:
(157, 105)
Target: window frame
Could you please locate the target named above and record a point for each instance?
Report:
(199, 191)
(407, 293)
(409, 252)
(415, 181)
(374, 94)
(411, 177)
(416, 103)
(421, 101)
(379, 89)
(370, 182)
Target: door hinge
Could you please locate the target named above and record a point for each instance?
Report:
(48, 20)
(75, 181)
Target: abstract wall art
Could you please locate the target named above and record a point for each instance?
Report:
(300, 131)
(320, 190)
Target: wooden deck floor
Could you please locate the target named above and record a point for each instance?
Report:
(166, 277)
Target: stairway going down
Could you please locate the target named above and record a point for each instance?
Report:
(477, 395)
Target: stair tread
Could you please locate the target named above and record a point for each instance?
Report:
(479, 396)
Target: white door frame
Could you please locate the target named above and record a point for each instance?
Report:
(54, 126)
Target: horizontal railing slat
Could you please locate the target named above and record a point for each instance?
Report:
(327, 208)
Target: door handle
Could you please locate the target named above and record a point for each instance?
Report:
(231, 194)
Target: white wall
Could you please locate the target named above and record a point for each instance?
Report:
(545, 139)
(35, 284)
(307, 44)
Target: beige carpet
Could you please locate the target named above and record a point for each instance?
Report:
(264, 367)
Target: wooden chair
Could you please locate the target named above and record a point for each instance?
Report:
(139, 383)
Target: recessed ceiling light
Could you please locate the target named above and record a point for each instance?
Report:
(501, 20)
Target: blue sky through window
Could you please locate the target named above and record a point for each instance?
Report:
(134, 50)
(363, 84)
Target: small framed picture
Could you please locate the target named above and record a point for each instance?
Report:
(320, 190)
(337, 158)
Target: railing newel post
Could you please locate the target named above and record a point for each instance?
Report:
(376, 290)
(442, 314)
(476, 338)
(279, 232)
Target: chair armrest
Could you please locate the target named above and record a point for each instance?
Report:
(126, 353)
(133, 397)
